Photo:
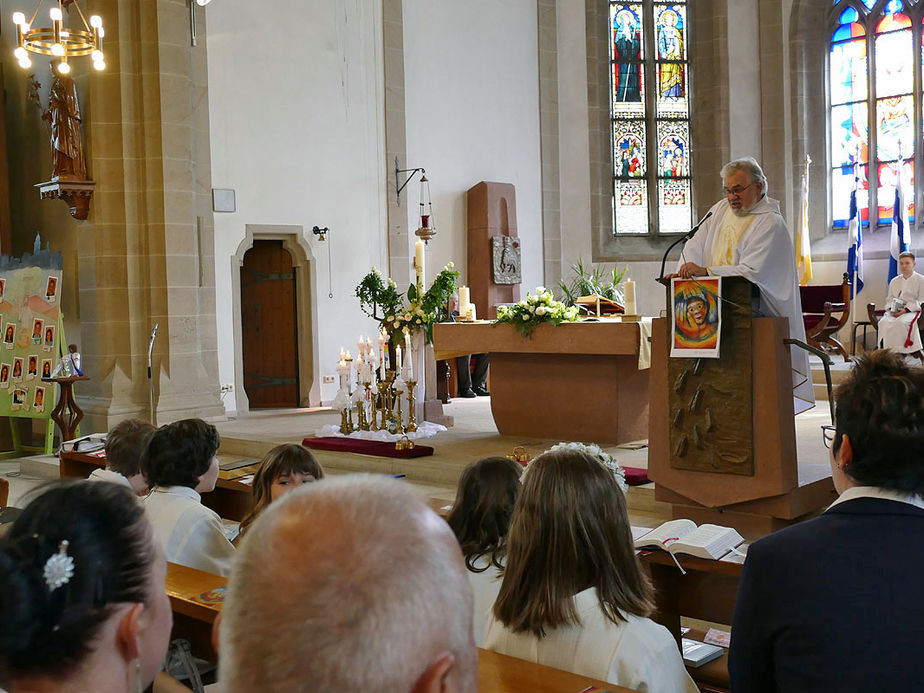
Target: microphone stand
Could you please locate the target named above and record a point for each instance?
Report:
(683, 239)
(150, 376)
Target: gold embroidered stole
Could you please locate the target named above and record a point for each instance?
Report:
(731, 229)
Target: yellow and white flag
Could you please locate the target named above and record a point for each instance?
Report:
(803, 243)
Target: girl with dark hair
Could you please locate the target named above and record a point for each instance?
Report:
(574, 596)
(82, 600)
(480, 519)
(282, 469)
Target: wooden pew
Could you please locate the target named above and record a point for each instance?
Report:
(496, 672)
(231, 499)
(706, 593)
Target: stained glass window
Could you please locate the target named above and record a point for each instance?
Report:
(650, 117)
(872, 113)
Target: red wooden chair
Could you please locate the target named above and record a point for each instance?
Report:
(874, 316)
(825, 310)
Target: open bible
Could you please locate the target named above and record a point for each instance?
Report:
(684, 536)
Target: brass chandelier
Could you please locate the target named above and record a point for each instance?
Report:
(57, 40)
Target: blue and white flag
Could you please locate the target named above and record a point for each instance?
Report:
(900, 232)
(855, 249)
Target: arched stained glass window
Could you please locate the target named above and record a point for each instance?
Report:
(873, 103)
(650, 117)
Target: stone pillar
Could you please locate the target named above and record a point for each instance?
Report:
(146, 256)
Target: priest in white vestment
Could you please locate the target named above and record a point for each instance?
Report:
(746, 236)
(898, 328)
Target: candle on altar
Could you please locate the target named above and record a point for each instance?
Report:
(342, 354)
(368, 345)
(419, 259)
(464, 300)
(361, 344)
(409, 361)
(398, 359)
(629, 292)
(472, 313)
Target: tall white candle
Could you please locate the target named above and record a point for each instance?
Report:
(398, 358)
(629, 291)
(408, 359)
(419, 259)
(464, 300)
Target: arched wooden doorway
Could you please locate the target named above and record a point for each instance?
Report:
(269, 326)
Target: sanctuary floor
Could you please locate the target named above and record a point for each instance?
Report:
(472, 437)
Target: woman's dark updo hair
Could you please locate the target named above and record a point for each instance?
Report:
(179, 453)
(881, 409)
(480, 516)
(51, 632)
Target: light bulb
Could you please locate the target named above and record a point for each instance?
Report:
(96, 56)
(55, 14)
(20, 53)
(101, 32)
(63, 68)
(25, 63)
(96, 21)
(57, 49)
(99, 65)
(19, 18)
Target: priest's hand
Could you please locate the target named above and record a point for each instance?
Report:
(691, 269)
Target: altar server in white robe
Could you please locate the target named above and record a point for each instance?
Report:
(898, 329)
(746, 236)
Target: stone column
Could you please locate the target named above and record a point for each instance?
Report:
(146, 256)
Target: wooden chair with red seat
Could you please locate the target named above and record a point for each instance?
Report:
(825, 310)
(875, 315)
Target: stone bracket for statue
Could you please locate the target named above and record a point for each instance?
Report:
(76, 193)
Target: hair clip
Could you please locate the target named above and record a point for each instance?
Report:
(59, 568)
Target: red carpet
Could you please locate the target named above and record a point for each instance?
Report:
(366, 447)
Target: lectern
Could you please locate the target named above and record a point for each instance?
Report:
(722, 443)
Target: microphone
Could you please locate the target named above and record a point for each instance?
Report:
(683, 239)
(151, 347)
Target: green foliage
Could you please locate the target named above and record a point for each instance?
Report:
(535, 309)
(593, 281)
(380, 299)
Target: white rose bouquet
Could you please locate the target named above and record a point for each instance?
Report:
(535, 309)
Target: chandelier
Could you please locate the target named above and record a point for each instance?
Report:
(57, 40)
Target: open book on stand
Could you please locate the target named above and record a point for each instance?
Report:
(684, 536)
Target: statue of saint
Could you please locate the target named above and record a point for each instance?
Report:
(66, 141)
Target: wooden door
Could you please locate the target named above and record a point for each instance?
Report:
(269, 326)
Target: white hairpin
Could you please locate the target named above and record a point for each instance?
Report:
(59, 568)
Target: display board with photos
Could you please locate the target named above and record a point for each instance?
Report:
(32, 334)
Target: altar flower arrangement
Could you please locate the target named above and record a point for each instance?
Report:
(380, 299)
(535, 309)
(593, 450)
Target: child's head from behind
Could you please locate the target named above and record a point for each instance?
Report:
(282, 469)
(125, 444)
(484, 503)
(182, 453)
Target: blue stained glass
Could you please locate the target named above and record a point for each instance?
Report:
(848, 16)
(893, 7)
(841, 187)
(849, 133)
(848, 71)
(869, 3)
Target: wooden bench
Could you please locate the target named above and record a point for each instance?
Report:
(231, 499)
(496, 672)
(707, 593)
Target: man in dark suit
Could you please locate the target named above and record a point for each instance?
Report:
(835, 603)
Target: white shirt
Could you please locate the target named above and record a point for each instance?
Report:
(764, 255)
(190, 533)
(910, 290)
(877, 492)
(485, 586)
(110, 476)
(637, 653)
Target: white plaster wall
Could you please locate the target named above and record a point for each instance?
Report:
(472, 97)
(297, 132)
(743, 80)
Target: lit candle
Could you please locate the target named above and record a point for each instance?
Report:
(472, 315)
(409, 361)
(464, 301)
(398, 358)
(361, 344)
(629, 291)
(342, 354)
(419, 259)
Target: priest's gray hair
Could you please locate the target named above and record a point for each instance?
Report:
(750, 165)
(348, 584)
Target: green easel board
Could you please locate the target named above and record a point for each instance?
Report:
(31, 338)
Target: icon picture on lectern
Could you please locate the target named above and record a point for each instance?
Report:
(696, 317)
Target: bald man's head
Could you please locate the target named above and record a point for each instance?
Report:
(349, 584)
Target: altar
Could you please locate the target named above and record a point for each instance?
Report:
(575, 381)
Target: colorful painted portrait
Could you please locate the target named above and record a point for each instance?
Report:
(696, 317)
